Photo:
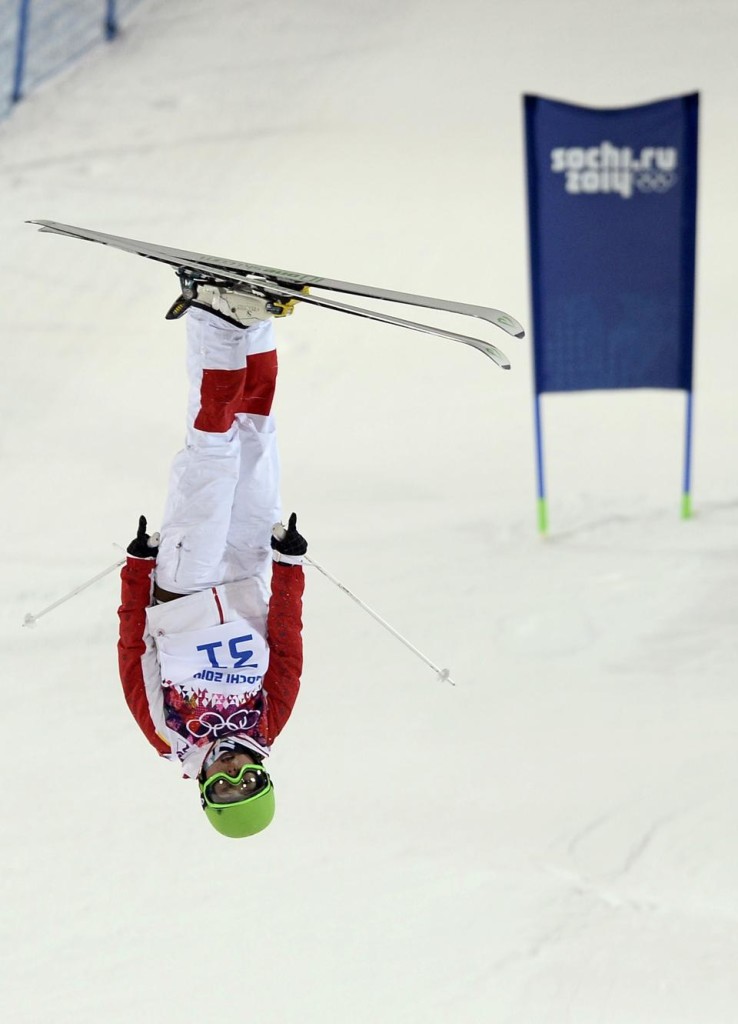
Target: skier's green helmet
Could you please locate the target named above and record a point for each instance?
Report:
(238, 805)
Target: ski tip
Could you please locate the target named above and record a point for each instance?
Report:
(495, 354)
(513, 327)
(506, 322)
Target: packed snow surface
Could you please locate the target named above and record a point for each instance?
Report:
(552, 841)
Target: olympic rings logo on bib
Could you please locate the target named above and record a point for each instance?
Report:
(211, 723)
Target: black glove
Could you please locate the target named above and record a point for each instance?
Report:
(289, 543)
(144, 546)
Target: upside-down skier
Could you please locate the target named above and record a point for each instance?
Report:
(210, 648)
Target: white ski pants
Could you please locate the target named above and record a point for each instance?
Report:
(224, 488)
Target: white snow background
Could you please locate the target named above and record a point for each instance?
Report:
(554, 840)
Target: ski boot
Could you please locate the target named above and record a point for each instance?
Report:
(241, 307)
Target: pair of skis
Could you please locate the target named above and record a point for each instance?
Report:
(285, 285)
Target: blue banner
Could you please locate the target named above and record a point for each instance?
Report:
(612, 196)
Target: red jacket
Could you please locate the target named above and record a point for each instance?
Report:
(182, 721)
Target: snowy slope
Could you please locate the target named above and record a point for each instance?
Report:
(554, 840)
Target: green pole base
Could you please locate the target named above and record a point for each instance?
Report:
(686, 506)
(542, 516)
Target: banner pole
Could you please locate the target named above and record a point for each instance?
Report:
(542, 505)
(687, 484)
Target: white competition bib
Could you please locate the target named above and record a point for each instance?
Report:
(230, 658)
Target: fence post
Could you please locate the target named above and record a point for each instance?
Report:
(111, 20)
(24, 10)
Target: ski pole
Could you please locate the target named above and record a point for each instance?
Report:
(442, 673)
(31, 620)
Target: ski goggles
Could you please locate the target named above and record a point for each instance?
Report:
(222, 788)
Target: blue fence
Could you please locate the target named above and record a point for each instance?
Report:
(40, 37)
